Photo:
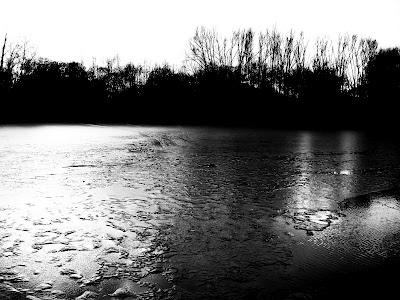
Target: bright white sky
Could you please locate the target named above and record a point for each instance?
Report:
(158, 31)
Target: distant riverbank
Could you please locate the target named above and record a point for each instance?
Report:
(269, 80)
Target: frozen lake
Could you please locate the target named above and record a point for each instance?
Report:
(191, 213)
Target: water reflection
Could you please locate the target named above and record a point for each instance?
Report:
(349, 163)
(327, 171)
(302, 195)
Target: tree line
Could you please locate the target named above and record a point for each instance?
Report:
(248, 78)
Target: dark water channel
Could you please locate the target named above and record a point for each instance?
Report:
(109, 212)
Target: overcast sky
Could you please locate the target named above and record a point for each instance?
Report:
(158, 31)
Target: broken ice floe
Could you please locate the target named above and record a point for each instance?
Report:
(311, 220)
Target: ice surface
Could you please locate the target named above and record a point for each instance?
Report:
(93, 211)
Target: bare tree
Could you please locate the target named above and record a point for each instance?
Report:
(342, 57)
(203, 47)
(3, 51)
(300, 50)
(244, 52)
(361, 52)
(322, 57)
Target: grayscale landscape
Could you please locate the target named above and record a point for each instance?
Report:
(199, 150)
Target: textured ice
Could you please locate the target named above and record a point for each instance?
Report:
(164, 213)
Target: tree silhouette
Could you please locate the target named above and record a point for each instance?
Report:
(253, 79)
(383, 77)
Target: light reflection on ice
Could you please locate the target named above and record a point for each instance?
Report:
(165, 210)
